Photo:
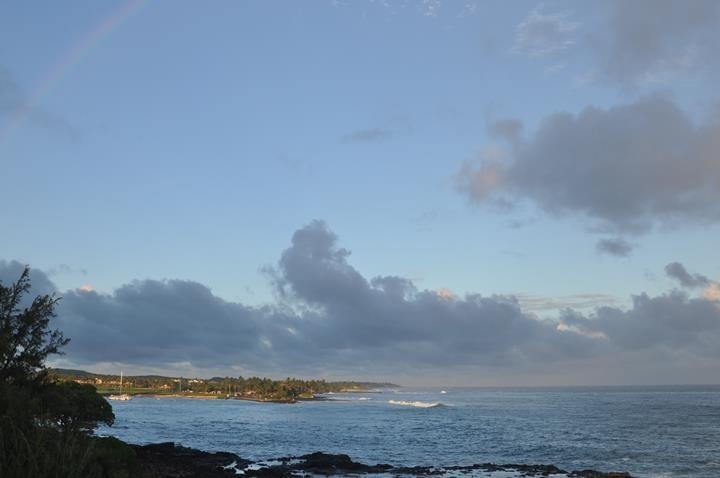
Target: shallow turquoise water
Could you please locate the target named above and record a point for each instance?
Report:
(649, 431)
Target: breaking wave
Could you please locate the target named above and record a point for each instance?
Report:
(416, 404)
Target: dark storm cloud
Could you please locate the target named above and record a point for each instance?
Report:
(615, 246)
(366, 135)
(644, 40)
(678, 272)
(329, 316)
(626, 168)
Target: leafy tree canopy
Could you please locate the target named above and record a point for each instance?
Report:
(25, 337)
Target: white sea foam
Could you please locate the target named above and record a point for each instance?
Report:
(417, 404)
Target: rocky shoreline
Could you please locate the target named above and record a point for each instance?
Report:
(166, 460)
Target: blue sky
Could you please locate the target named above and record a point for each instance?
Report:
(191, 141)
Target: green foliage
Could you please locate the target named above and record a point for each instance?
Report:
(25, 339)
(51, 453)
(289, 389)
(75, 407)
(46, 426)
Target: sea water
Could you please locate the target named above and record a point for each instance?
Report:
(648, 431)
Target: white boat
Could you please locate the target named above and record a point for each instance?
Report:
(120, 396)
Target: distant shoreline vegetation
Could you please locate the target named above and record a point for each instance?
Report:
(289, 390)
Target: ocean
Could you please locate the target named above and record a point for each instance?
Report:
(648, 431)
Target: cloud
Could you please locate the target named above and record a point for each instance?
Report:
(541, 34)
(329, 318)
(445, 293)
(672, 321)
(366, 135)
(539, 304)
(157, 322)
(615, 246)
(626, 168)
(628, 42)
(508, 129)
(645, 40)
(677, 271)
(430, 8)
(10, 272)
(712, 292)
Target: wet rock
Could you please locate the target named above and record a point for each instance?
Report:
(168, 460)
(600, 474)
(328, 464)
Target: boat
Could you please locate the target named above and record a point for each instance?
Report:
(121, 396)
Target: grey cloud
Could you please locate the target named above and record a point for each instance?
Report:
(629, 42)
(157, 321)
(366, 135)
(646, 39)
(615, 246)
(671, 321)
(10, 272)
(508, 129)
(389, 312)
(329, 313)
(626, 168)
(541, 34)
(678, 272)
(534, 303)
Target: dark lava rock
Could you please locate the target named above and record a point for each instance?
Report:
(537, 470)
(316, 463)
(600, 474)
(167, 460)
(328, 464)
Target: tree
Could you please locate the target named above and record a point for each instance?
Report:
(45, 425)
(74, 407)
(25, 338)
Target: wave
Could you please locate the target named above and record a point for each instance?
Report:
(346, 399)
(416, 404)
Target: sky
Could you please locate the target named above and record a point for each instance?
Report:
(421, 191)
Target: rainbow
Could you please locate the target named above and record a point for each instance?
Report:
(67, 62)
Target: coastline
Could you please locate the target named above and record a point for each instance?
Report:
(170, 459)
(221, 397)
